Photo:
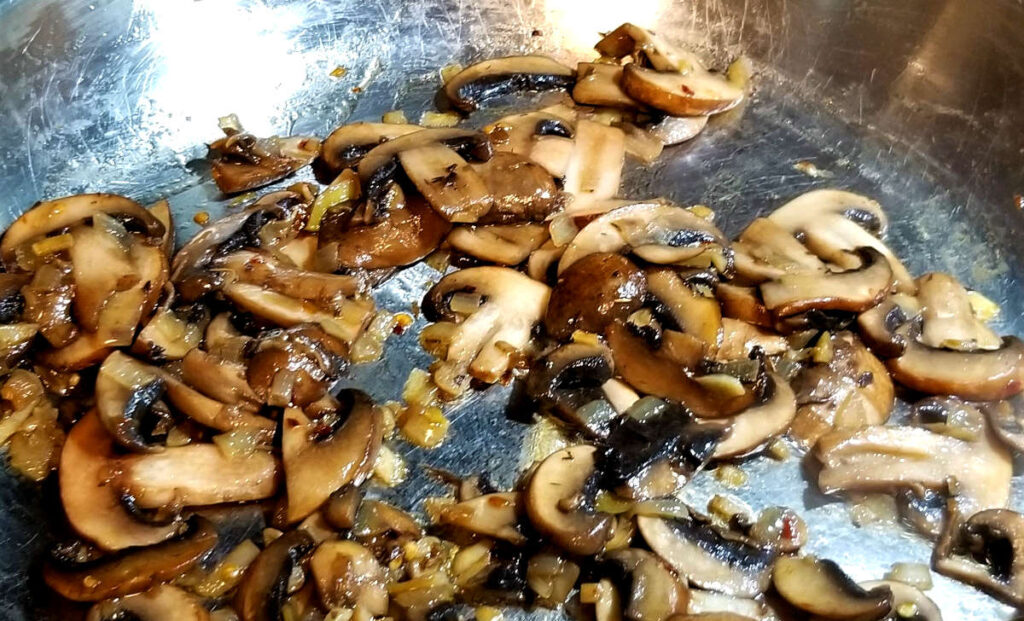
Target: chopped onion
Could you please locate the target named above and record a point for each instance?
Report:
(721, 385)
(419, 389)
(426, 427)
(730, 475)
(230, 124)
(394, 117)
(984, 309)
(563, 230)
(725, 508)
(51, 245)
(466, 303)
(241, 442)
(389, 469)
(226, 574)
(343, 189)
(915, 574)
(440, 119)
(470, 561)
(370, 344)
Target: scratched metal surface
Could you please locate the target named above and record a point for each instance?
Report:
(917, 103)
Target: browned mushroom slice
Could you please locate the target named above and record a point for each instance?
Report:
(450, 184)
(821, 588)
(653, 372)
(599, 84)
(491, 515)
(758, 424)
(161, 210)
(743, 303)
(347, 145)
(522, 190)
(948, 320)
(320, 457)
(854, 290)
(287, 312)
(673, 130)
(594, 169)
(571, 377)
(503, 244)
(656, 232)
(655, 594)
(852, 390)
(126, 393)
(213, 413)
(50, 216)
(695, 93)
(646, 48)
(93, 506)
(766, 251)
(257, 268)
(706, 558)
(264, 586)
(508, 305)
(596, 290)
(101, 266)
(981, 375)
(132, 571)
(218, 379)
(985, 550)
(739, 339)
(501, 76)
(694, 312)
(48, 297)
(465, 141)
(241, 162)
(555, 503)
(907, 597)
(880, 326)
(160, 603)
(891, 458)
(196, 475)
(348, 575)
(834, 223)
(15, 340)
(295, 367)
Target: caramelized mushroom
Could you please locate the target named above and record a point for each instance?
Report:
(491, 515)
(593, 292)
(261, 593)
(568, 379)
(241, 162)
(757, 424)
(986, 550)
(502, 244)
(821, 588)
(501, 76)
(347, 575)
(347, 145)
(126, 393)
(983, 375)
(160, 603)
(259, 268)
(600, 84)
(287, 312)
(522, 190)
(855, 290)
(449, 183)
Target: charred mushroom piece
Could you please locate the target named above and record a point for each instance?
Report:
(348, 575)
(821, 588)
(557, 506)
(501, 76)
(694, 93)
(263, 589)
(966, 459)
(984, 550)
(569, 378)
(160, 603)
(50, 216)
(600, 84)
(593, 292)
(502, 244)
(491, 515)
(126, 393)
(833, 223)
(854, 290)
(449, 183)
(522, 190)
(880, 326)
(510, 304)
(655, 232)
(758, 424)
(241, 162)
(347, 145)
(948, 321)
(320, 457)
(982, 375)
(706, 558)
(133, 570)
(655, 594)
(93, 506)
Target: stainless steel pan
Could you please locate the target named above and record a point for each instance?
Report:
(917, 103)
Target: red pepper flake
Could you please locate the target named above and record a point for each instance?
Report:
(686, 89)
(788, 526)
(399, 329)
(1018, 201)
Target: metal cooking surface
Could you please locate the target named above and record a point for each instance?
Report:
(915, 103)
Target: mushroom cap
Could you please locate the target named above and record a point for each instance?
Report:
(347, 144)
(754, 426)
(593, 292)
(126, 391)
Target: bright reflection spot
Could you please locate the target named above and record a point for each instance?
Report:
(580, 21)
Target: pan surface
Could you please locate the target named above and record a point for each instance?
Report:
(915, 103)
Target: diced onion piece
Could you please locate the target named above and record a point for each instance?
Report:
(915, 574)
(426, 427)
(984, 308)
(343, 189)
(466, 303)
(370, 344)
(389, 469)
(51, 245)
(395, 117)
(440, 119)
(419, 389)
(563, 230)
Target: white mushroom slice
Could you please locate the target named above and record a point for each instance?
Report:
(518, 133)
(491, 515)
(708, 560)
(948, 319)
(257, 268)
(981, 375)
(218, 379)
(656, 232)
(766, 251)
(386, 152)
(503, 244)
(695, 93)
(160, 603)
(855, 290)
(451, 185)
(287, 312)
(542, 260)
(196, 475)
(756, 425)
(834, 222)
(594, 169)
(552, 502)
(501, 76)
(101, 266)
(673, 130)
(486, 340)
(696, 314)
(599, 84)
(887, 458)
(739, 338)
(349, 143)
(553, 153)
(880, 326)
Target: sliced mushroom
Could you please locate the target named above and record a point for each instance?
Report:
(833, 223)
(348, 576)
(93, 506)
(1006, 424)
(196, 475)
(101, 266)
(743, 303)
(948, 321)
(706, 558)
(288, 312)
(758, 424)
(692, 311)
(502, 244)
(984, 550)
(880, 326)
(218, 379)
(131, 571)
(854, 290)
(483, 344)
(258, 268)
(594, 169)
(213, 413)
(501, 76)
(646, 48)
(318, 462)
(126, 395)
(241, 162)
(599, 84)
(673, 130)
(522, 190)
(656, 232)
(694, 93)
(904, 595)
(49, 216)
(740, 339)
(593, 292)
(161, 210)
(491, 515)
(766, 251)
(711, 606)
(15, 341)
(655, 594)
(295, 367)
(982, 375)
(466, 142)
(968, 460)
(568, 379)
(160, 603)
(821, 588)
(262, 591)
(556, 503)
(451, 186)
(48, 298)
(347, 145)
